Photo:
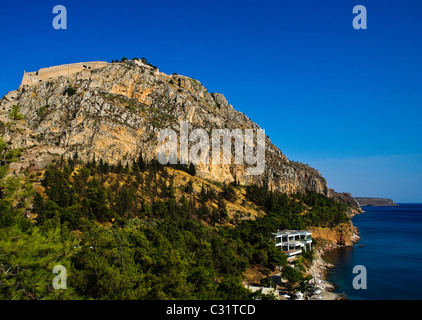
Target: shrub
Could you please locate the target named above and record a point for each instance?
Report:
(69, 91)
(41, 111)
(15, 114)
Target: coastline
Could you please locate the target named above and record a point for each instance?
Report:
(319, 271)
(320, 268)
(400, 262)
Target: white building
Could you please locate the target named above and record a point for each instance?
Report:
(265, 290)
(293, 241)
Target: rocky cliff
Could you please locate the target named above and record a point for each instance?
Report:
(116, 112)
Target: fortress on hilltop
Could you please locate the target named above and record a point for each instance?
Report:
(44, 74)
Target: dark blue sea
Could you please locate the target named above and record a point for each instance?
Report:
(391, 253)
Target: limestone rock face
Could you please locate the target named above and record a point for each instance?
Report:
(344, 234)
(115, 112)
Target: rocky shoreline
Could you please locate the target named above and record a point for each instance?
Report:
(319, 270)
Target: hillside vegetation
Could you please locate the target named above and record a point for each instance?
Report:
(141, 231)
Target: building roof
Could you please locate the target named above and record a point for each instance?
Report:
(292, 232)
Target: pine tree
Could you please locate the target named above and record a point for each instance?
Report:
(189, 187)
(93, 162)
(119, 168)
(203, 195)
(141, 163)
(192, 169)
(222, 207)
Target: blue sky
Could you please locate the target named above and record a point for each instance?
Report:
(347, 102)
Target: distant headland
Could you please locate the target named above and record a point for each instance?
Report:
(375, 202)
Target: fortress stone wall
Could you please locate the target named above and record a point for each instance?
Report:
(44, 74)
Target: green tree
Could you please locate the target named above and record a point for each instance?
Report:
(27, 261)
(292, 275)
(229, 193)
(104, 267)
(192, 169)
